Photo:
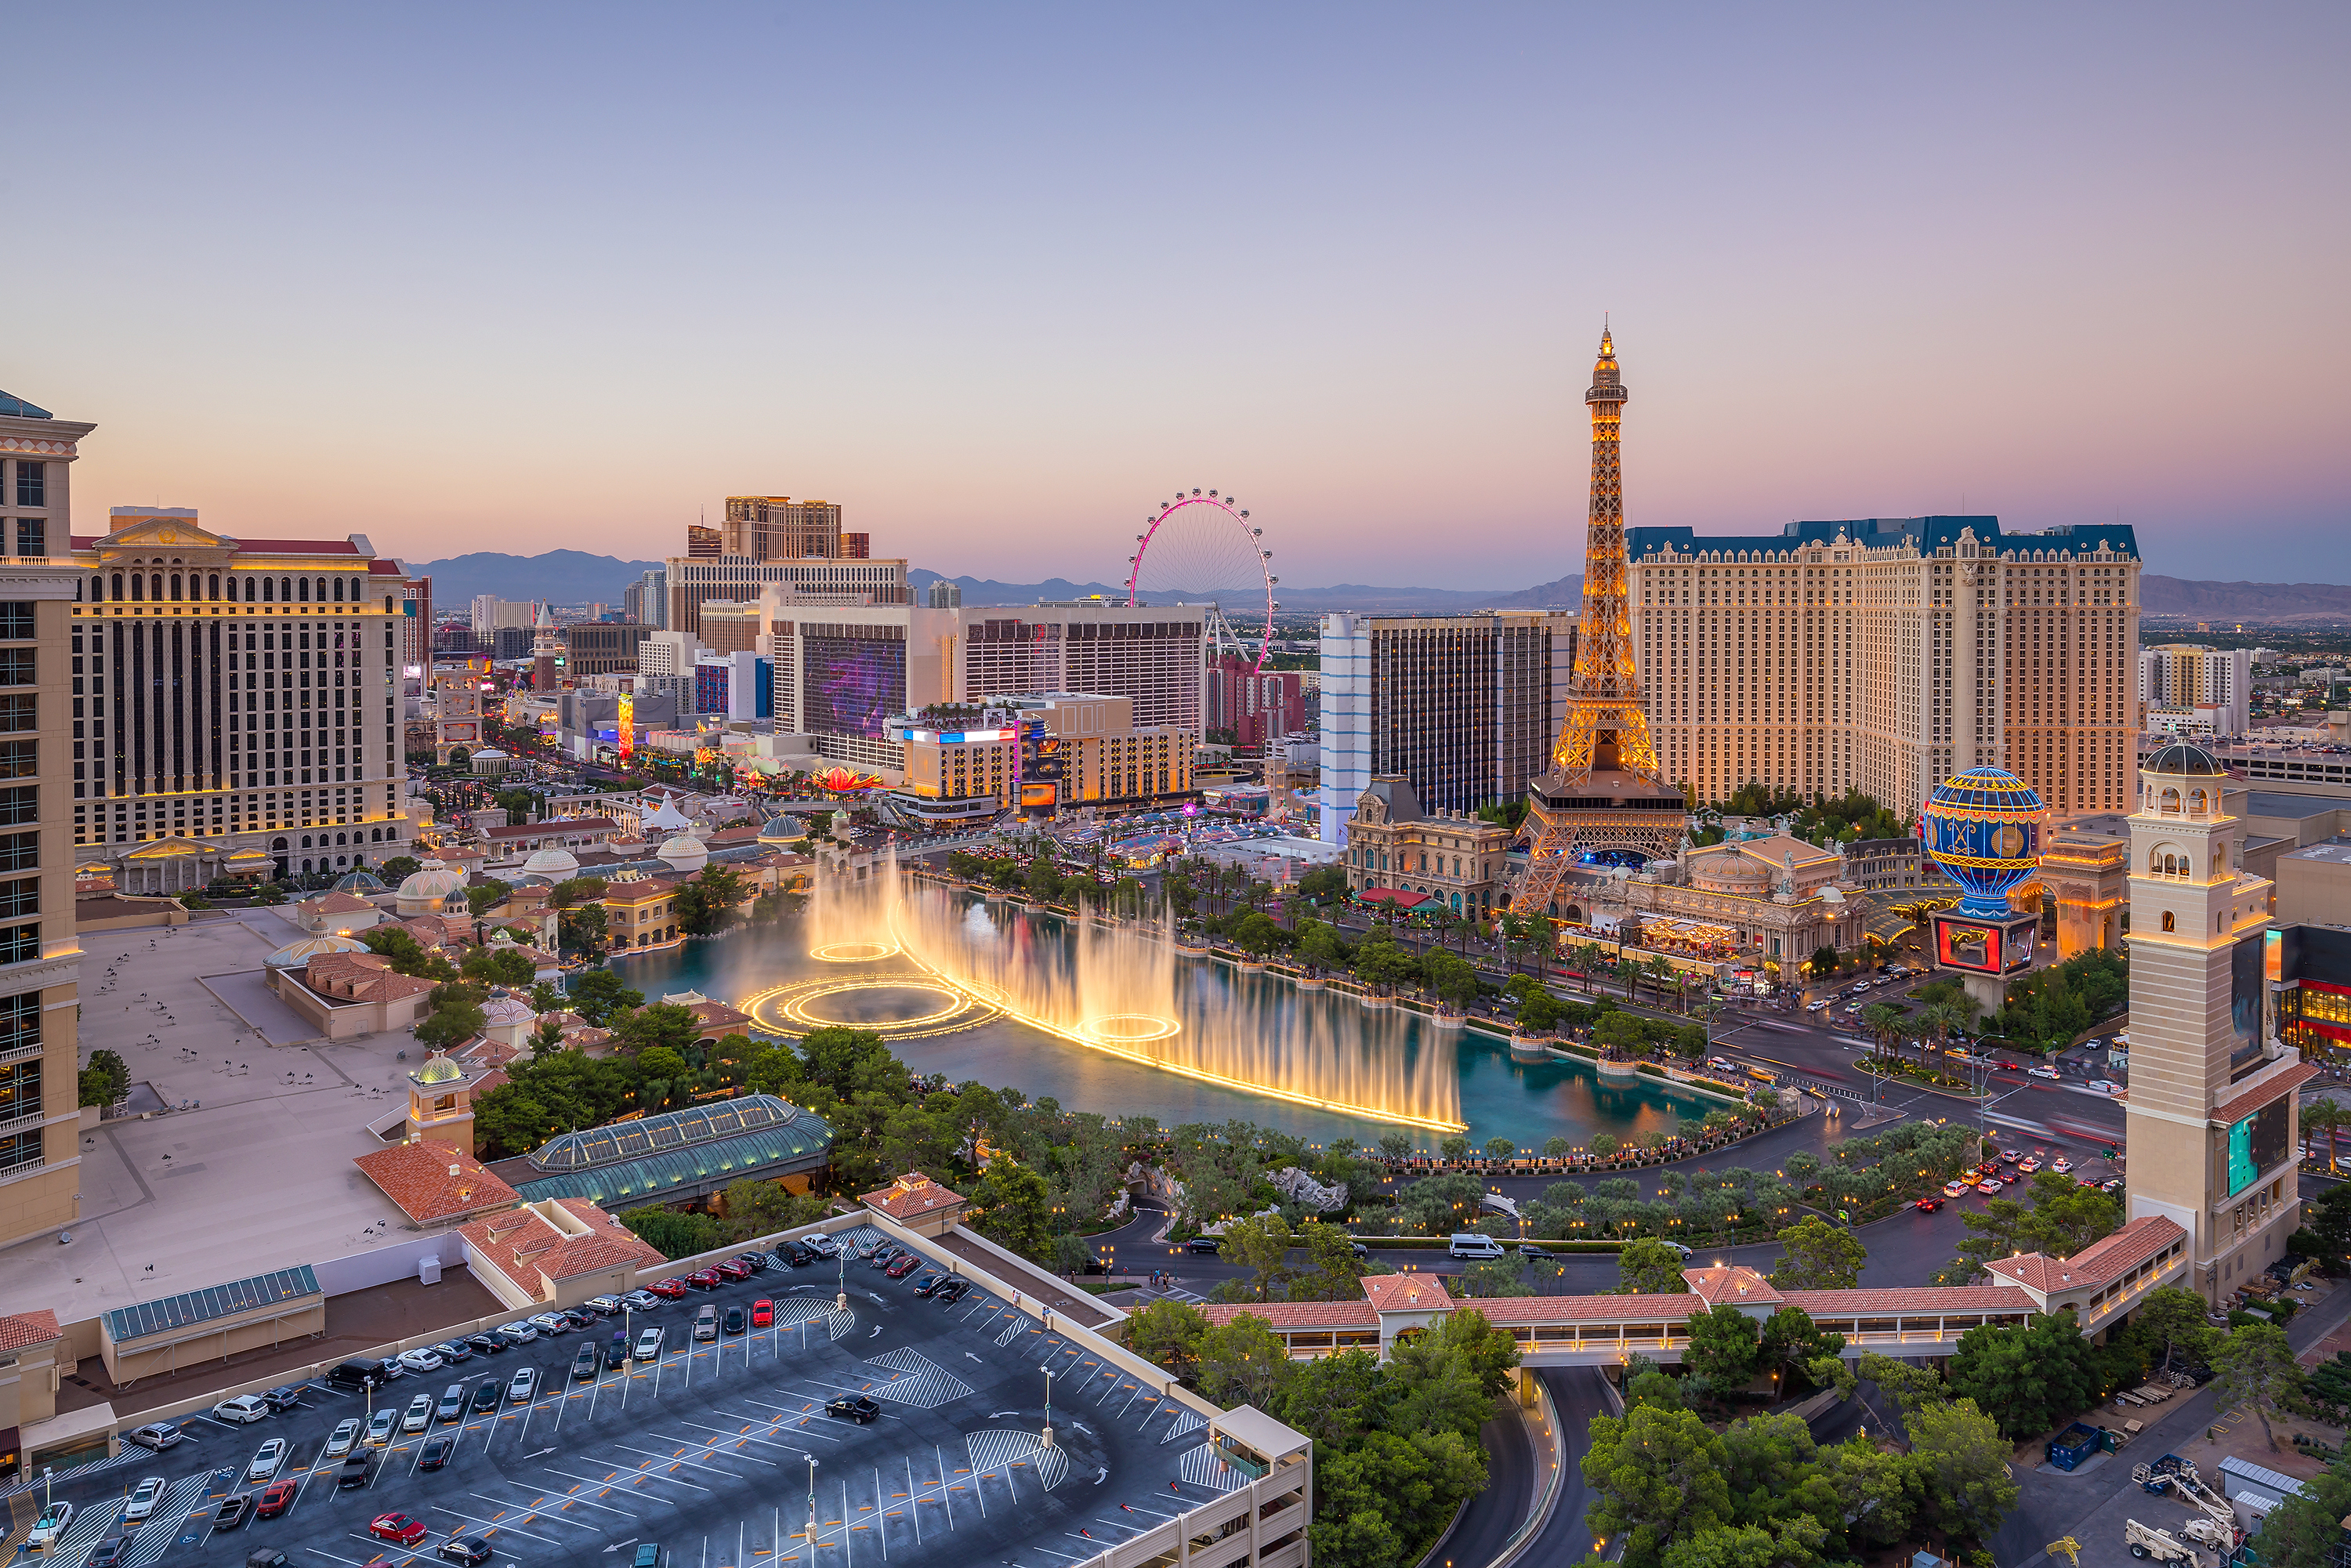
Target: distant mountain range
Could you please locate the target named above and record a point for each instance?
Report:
(575, 576)
(560, 577)
(2244, 600)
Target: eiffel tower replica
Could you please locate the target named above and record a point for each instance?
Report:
(1603, 789)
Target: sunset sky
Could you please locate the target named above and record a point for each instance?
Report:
(997, 278)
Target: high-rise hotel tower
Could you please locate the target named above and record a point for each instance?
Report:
(1888, 653)
(2212, 1119)
(235, 703)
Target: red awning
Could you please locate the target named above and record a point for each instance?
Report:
(1395, 895)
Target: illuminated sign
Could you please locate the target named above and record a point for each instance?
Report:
(1985, 947)
(2255, 1145)
(624, 726)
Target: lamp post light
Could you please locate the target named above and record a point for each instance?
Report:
(811, 1523)
(1048, 1437)
(840, 1256)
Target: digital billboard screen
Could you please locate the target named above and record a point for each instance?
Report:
(2255, 1145)
(1983, 947)
(852, 679)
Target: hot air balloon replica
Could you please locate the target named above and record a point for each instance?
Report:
(1983, 827)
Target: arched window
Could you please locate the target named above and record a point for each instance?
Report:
(175, 585)
(285, 590)
(138, 587)
(268, 595)
(342, 861)
(387, 604)
(213, 586)
(118, 587)
(2169, 923)
(248, 588)
(2169, 803)
(376, 837)
(305, 590)
(98, 589)
(306, 840)
(339, 591)
(308, 868)
(341, 839)
(2196, 803)
(278, 844)
(2219, 859)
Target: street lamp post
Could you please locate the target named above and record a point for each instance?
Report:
(1048, 1437)
(811, 1523)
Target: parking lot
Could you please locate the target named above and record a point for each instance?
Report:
(707, 1450)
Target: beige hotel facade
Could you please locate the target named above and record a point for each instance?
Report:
(1887, 653)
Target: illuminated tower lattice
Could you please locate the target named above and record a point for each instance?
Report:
(1604, 790)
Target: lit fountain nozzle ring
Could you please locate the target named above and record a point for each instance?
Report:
(1129, 1029)
(854, 951)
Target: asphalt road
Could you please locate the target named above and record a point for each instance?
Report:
(707, 1450)
(1490, 1517)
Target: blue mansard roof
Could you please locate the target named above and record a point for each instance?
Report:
(1929, 534)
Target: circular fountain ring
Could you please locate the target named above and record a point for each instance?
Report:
(1129, 1029)
(792, 1012)
(854, 951)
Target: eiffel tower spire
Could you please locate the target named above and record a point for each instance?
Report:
(1604, 788)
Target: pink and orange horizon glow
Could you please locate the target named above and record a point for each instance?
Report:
(531, 277)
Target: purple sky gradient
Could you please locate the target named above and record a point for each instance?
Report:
(999, 278)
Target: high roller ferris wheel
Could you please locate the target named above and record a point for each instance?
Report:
(1202, 548)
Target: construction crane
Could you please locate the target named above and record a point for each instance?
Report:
(2164, 1547)
(2178, 1476)
(2067, 1545)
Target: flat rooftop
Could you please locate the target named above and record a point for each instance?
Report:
(257, 1174)
(707, 1448)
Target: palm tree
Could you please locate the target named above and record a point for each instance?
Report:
(2324, 1116)
(1940, 1021)
(1588, 958)
(1660, 973)
(1884, 1021)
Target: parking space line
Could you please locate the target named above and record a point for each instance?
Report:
(332, 1558)
(489, 1525)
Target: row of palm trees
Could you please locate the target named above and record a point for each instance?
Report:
(1936, 1027)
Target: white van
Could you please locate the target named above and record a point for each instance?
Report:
(1469, 1244)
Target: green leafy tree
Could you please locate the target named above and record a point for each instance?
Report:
(504, 967)
(662, 1024)
(1647, 1266)
(486, 894)
(1723, 1345)
(2255, 1366)
(106, 1080)
(1493, 1277)
(1818, 1257)
(1263, 1246)
(456, 1015)
(1168, 1333)
(597, 994)
(1792, 1341)
(2031, 1378)
(1243, 1363)
(407, 955)
(1963, 1459)
(400, 868)
(1332, 1272)
(1656, 1480)
(675, 1235)
(2306, 1531)
(1016, 1207)
(2174, 1322)
(709, 903)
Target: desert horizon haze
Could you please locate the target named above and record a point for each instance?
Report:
(999, 285)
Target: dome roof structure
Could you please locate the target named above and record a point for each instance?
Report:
(508, 1009)
(359, 882)
(681, 852)
(552, 861)
(434, 880)
(438, 1069)
(783, 830)
(2183, 758)
(298, 954)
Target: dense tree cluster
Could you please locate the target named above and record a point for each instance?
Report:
(2049, 1008)
(2063, 1217)
(1396, 1441)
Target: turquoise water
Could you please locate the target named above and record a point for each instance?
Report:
(1526, 1103)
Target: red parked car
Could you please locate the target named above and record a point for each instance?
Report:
(763, 1314)
(276, 1499)
(733, 1269)
(704, 1279)
(668, 1290)
(397, 1527)
(902, 1266)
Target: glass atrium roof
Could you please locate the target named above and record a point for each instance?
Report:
(671, 1130)
(127, 1324)
(779, 1149)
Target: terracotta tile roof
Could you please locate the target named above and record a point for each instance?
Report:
(360, 978)
(522, 1244)
(1732, 1282)
(717, 1015)
(553, 828)
(1300, 1314)
(335, 904)
(1589, 1308)
(2245, 1104)
(639, 892)
(1920, 1299)
(21, 1329)
(911, 1197)
(416, 1177)
(1405, 1292)
(2096, 1264)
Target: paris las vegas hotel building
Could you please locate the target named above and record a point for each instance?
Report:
(1887, 653)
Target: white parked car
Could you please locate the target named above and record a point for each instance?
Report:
(50, 1525)
(338, 1445)
(381, 1427)
(641, 1300)
(420, 1414)
(520, 1334)
(266, 1460)
(143, 1499)
(822, 1245)
(422, 1360)
(244, 1408)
